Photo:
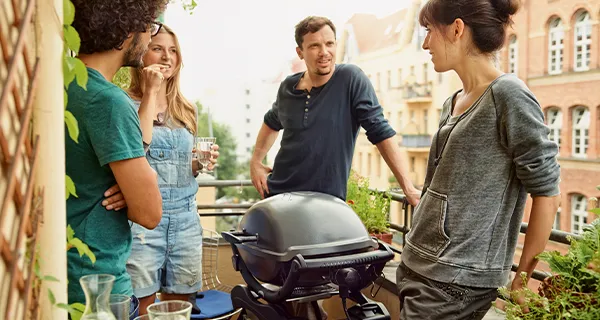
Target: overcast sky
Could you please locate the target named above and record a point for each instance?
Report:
(245, 40)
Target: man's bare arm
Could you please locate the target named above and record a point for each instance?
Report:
(392, 155)
(258, 171)
(139, 185)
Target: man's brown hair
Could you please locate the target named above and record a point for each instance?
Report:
(311, 24)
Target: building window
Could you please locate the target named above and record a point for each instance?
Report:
(583, 41)
(581, 125)
(369, 164)
(389, 79)
(399, 77)
(578, 213)
(425, 73)
(412, 117)
(554, 120)
(247, 134)
(378, 81)
(556, 37)
(425, 121)
(399, 121)
(248, 149)
(247, 120)
(440, 77)
(247, 92)
(413, 161)
(247, 107)
(556, 225)
(513, 55)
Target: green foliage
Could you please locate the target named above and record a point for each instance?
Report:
(122, 78)
(372, 208)
(573, 290)
(228, 167)
(82, 248)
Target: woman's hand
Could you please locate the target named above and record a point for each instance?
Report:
(114, 199)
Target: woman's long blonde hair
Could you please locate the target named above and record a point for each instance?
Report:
(178, 107)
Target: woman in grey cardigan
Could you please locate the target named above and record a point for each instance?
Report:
(490, 151)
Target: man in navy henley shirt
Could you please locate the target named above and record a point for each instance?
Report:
(321, 111)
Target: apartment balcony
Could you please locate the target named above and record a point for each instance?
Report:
(418, 93)
(412, 94)
(387, 291)
(416, 142)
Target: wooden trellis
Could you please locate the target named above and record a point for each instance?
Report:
(20, 204)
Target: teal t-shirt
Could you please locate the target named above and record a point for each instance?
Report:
(109, 131)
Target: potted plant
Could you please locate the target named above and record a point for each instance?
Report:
(573, 289)
(372, 208)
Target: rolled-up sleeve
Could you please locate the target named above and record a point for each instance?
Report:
(525, 135)
(368, 111)
(271, 118)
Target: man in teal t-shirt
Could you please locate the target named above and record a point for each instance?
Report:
(109, 149)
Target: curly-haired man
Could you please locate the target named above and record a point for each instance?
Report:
(110, 152)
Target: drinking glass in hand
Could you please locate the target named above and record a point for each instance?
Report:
(203, 149)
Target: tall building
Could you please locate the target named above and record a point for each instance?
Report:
(388, 50)
(259, 97)
(554, 47)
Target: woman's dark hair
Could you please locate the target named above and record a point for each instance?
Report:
(487, 19)
(105, 24)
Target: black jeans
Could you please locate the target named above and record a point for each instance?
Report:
(423, 298)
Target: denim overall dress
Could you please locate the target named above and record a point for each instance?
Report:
(169, 257)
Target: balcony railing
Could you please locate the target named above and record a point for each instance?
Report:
(417, 90)
(402, 228)
(416, 141)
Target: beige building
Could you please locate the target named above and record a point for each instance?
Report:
(388, 50)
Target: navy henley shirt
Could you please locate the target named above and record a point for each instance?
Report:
(320, 128)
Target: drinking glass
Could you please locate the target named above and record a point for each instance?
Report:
(203, 149)
(170, 310)
(144, 317)
(97, 288)
(120, 305)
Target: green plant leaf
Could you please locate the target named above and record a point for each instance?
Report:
(72, 39)
(76, 310)
(51, 297)
(595, 211)
(81, 73)
(70, 232)
(83, 249)
(72, 126)
(68, 70)
(66, 97)
(50, 278)
(70, 186)
(68, 12)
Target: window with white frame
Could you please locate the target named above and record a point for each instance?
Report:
(556, 225)
(556, 37)
(578, 213)
(583, 41)
(554, 121)
(513, 55)
(581, 125)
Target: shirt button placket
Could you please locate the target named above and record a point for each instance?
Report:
(306, 111)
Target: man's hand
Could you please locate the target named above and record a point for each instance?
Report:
(413, 195)
(152, 78)
(258, 174)
(114, 199)
(518, 297)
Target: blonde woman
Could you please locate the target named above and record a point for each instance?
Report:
(168, 258)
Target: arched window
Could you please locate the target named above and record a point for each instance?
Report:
(578, 213)
(555, 46)
(554, 121)
(581, 125)
(513, 55)
(583, 41)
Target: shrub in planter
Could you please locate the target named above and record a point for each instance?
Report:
(372, 209)
(573, 289)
